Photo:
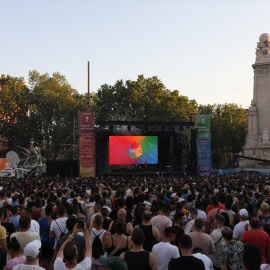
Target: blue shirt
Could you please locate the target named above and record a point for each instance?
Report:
(45, 229)
(15, 222)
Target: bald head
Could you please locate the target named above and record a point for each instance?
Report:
(122, 214)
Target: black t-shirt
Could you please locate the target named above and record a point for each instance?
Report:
(179, 233)
(9, 228)
(106, 224)
(186, 263)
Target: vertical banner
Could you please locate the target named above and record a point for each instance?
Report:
(3, 162)
(204, 145)
(87, 144)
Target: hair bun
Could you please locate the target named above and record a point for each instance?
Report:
(14, 239)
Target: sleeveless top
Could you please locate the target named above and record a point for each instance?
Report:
(94, 233)
(119, 251)
(45, 229)
(150, 239)
(137, 260)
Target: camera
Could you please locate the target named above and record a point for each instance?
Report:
(80, 221)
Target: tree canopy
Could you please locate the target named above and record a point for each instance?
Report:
(143, 99)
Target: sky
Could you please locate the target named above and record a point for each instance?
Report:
(203, 49)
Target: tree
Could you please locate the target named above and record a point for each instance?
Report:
(228, 122)
(54, 104)
(143, 99)
(14, 104)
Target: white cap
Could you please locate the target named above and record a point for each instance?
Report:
(31, 250)
(244, 213)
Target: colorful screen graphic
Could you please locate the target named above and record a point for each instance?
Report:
(124, 150)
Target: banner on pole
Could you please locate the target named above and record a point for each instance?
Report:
(204, 145)
(87, 144)
(3, 162)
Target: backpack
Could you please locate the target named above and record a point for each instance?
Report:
(97, 247)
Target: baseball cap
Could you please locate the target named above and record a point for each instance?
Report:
(244, 213)
(31, 250)
(115, 263)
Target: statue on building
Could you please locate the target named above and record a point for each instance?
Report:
(265, 135)
(263, 47)
(250, 153)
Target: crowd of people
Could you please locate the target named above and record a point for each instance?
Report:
(219, 222)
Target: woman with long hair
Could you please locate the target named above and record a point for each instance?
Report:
(111, 242)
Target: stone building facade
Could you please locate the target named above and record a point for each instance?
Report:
(257, 144)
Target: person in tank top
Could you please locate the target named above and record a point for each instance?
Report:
(101, 233)
(138, 258)
(111, 242)
(121, 215)
(151, 233)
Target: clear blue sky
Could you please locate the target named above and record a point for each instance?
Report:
(204, 49)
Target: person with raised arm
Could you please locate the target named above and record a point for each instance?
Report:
(69, 252)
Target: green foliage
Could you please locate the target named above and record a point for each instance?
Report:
(54, 104)
(44, 110)
(14, 104)
(144, 99)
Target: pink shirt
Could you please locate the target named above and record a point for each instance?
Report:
(13, 262)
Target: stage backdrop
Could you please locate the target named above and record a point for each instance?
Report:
(87, 144)
(204, 145)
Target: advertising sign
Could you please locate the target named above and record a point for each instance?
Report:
(204, 145)
(87, 144)
(3, 161)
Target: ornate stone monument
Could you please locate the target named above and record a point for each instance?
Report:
(257, 143)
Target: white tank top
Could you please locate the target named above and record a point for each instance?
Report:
(94, 233)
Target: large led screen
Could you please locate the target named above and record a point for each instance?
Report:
(124, 150)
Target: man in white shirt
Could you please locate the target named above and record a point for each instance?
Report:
(164, 250)
(34, 224)
(198, 253)
(69, 252)
(201, 214)
(239, 228)
(190, 225)
(58, 226)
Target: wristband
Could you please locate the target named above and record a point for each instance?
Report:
(72, 237)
